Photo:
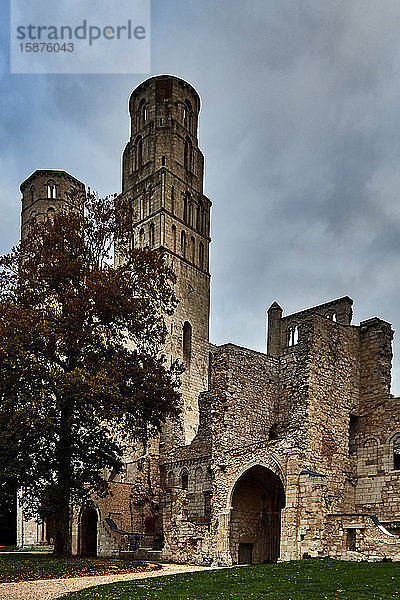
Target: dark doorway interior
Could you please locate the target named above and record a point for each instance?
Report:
(245, 554)
(255, 527)
(88, 544)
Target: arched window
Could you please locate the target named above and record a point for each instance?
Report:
(190, 212)
(143, 112)
(198, 480)
(331, 315)
(292, 335)
(396, 452)
(188, 154)
(187, 115)
(141, 239)
(183, 244)
(184, 479)
(173, 199)
(185, 208)
(200, 217)
(201, 255)
(51, 189)
(151, 235)
(138, 152)
(171, 479)
(187, 343)
(192, 249)
(174, 237)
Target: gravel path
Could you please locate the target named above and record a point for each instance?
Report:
(48, 589)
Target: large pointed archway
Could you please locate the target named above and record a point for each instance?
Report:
(257, 500)
(88, 531)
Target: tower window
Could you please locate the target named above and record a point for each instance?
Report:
(185, 208)
(141, 239)
(190, 213)
(51, 189)
(32, 193)
(188, 154)
(184, 479)
(201, 255)
(152, 235)
(396, 452)
(193, 249)
(174, 237)
(145, 113)
(183, 244)
(163, 161)
(187, 343)
(292, 335)
(173, 199)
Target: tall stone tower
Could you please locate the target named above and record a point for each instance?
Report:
(162, 181)
(47, 192)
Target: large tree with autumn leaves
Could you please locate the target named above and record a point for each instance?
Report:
(80, 358)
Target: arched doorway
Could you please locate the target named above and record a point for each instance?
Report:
(88, 532)
(257, 500)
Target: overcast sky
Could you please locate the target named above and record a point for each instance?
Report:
(300, 127)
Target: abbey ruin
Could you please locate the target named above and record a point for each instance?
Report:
(289, 454)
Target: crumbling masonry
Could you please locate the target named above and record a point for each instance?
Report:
(289, 454)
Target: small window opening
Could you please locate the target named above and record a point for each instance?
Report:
(184, 479)
(183, 244)
(273, 432)
(51, 189)
(161, 121)
(32, 194)
(201, 255)
(293, 335)
(396, 453)
(173, 199)
(188, 155)
(163, 161)
(351, 539)
(174, 237)
(152, 235)
(193, 249)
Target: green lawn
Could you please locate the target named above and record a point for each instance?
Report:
(7, 548)
(297, 580)
(21, 567)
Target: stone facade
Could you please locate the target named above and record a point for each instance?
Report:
(278, 456)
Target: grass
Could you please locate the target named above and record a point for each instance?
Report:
(22, 567)
(297, 580)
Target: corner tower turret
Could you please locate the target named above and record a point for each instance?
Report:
(47, 192)
(162, 182)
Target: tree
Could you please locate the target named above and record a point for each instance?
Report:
(80, 358)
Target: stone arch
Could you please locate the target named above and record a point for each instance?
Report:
(256, 500)
(89, 519)
(272, 464)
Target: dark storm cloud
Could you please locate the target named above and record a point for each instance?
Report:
(300, 128)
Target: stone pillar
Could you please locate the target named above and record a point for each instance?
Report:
(274, 330)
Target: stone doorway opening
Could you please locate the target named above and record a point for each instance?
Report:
(88, 532)
(255, 527)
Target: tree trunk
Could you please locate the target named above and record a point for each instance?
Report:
(62, 545)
